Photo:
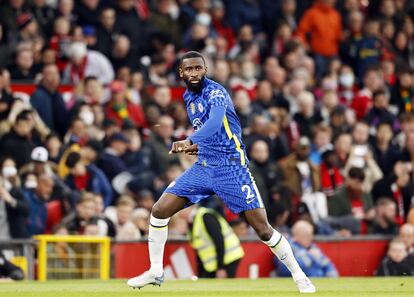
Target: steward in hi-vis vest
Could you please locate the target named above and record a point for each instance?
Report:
(218, 248)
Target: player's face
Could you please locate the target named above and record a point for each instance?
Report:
(192, 71)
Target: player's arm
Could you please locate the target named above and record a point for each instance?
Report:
(211, 126)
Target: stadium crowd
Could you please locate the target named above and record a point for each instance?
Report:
(323, 89)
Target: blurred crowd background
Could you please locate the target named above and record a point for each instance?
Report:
(324, 91)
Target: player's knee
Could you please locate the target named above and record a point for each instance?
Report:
(265, 232)
(159, 212)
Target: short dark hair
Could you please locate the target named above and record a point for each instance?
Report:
(379, 93)
(24, 115)
(356, 173)
(72, 159)
(191, 54)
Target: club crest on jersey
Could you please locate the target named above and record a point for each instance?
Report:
(192, 108)
(200, 107)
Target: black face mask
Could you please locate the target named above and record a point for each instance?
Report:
(195, 88)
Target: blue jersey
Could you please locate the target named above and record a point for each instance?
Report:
(225, 147)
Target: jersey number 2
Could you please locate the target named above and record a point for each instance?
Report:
(250, 196)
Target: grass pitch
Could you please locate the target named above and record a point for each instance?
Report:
(349, 287)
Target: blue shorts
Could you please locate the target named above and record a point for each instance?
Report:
(232, 184)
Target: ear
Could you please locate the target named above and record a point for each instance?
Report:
(180, 72)
(205, 69)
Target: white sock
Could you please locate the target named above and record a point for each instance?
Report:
(281, 248)
(157, 237)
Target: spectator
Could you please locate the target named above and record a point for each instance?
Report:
(310, 258)
(110, 161)
(385, 152)
(14, 209)
(106, 31)
(130, 23)
(88, 12)
(37, 199)
(363, 99)
(121, 110)
(351, 204)
(121, 217)
(300, 176)
(396, 185)
(325, 38)
(121, 55)
(242, 12)
(406, 234)
(262, 168)
(163, 21)
(160, 143)
(48, 101)
(403, 91)
(24, 69)
(396, 263)
(369, 47)
(84, 62)
(385, 218)
(89, 178)
(20, 137)
(307, 117)
(331, 177)
(379, 113)
(76, 221)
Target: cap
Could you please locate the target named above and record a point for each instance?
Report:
(304, 142)
(118, 137)
(23, 19)
(117, 86)
(40, 154)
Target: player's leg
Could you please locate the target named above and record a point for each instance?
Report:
(191, 185)
(280, 247)
(162, 211)
(236, 187)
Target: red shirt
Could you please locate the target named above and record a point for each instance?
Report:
(81, 181)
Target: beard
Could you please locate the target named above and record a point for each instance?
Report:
(194, 87)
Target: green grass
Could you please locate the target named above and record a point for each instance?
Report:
(349, 287)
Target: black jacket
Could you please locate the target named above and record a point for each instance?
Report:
(17, 215)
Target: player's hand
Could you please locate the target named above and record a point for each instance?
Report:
(180, 146)
(192, 150)
(221, 273)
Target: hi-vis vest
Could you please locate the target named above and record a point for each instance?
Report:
(202, 242)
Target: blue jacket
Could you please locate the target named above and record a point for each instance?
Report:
(51, 109)
(97, 183)
(36, 222)
(312, 261)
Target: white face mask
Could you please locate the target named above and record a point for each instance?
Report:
(30, 184)
(87, 117)
(347, 80)
(9, 171)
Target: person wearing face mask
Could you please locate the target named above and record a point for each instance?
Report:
(346, 85)
(13, 207)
